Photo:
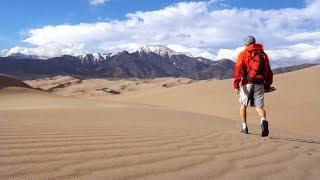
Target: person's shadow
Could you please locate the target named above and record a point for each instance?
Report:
(290, 139)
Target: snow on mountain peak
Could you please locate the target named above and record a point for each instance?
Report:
(94, 57)
(25, 56)
(115, 53)
(158, 49)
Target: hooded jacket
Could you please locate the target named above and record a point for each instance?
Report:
(243, 63)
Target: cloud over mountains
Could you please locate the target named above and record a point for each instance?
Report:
(201, 28)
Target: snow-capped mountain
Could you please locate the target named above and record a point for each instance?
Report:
(158, 49)
(24, 56)
(161, 50)
(115, 53)
(148, 62)
(95, 57)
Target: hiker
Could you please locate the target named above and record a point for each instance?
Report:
(252, 78)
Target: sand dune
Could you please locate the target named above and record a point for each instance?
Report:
(293, 107)
(7, 81)
(156, 132)
(44, 136)
(70, 86)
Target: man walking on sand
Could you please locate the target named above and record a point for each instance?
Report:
(252, 78)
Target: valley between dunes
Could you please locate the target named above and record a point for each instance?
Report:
(165, 128)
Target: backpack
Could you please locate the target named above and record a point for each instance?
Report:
(256, 71)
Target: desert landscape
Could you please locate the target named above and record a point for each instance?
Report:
(163, 128)
(149, 90)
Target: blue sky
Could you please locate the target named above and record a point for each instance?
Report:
(209, 28)
(19, 16)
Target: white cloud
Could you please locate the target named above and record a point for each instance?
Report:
(193, 51)
(201, 28)
(305, 36)
(3, 52)
(299, 52)
(229, 53)
(97, 2)
(49, 50)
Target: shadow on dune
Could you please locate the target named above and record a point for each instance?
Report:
(7, 81)
(30, 77)
(26, 77)
(296, 140)
(310, 141)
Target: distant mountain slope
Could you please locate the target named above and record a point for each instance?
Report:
(148, 62)
(291, 68)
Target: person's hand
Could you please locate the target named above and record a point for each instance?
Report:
(236, 91)
(271, 89)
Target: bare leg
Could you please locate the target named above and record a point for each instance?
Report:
(243, 113)
(264, 123)
(261, 112)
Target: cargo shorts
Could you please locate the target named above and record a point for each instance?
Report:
(252, 94)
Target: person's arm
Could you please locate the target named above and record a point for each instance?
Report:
(238, 72)
(269, 74)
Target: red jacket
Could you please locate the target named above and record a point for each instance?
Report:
(242, 66)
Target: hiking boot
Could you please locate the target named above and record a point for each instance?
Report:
(264, 128)
(245, 131)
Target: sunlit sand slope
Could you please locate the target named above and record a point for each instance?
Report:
(44, 136)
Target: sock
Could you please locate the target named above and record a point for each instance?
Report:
(262, 119)
(244, 125)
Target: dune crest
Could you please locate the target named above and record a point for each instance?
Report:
(71, 86)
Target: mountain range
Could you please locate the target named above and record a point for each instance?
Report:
(286, 69)
(147, 62)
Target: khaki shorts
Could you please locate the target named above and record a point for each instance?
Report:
(257, 95)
